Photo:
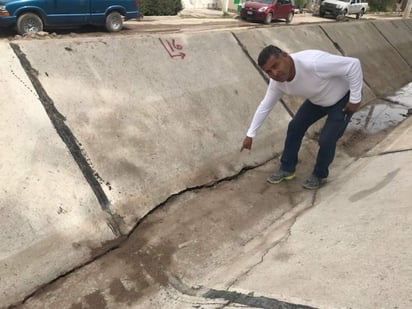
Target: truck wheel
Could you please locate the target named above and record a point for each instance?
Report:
(344, 12)
(29, 23)
(268, 19)
(360, 14)
(114, 22)
(289, 18)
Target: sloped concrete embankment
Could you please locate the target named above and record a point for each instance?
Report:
(139, 119)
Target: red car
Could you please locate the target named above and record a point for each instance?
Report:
(268, 10)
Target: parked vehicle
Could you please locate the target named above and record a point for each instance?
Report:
(268, 10)
(343, 7)
(34, 15)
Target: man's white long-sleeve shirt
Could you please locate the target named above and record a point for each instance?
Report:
(321, 77)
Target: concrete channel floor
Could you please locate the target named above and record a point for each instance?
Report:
(345, 246)
(243, 243)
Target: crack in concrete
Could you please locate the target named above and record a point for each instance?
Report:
(244, 274)
(44, 286)
(90, 175)
(271, 223)
(289, 223)
(121, 240)
(196, 188)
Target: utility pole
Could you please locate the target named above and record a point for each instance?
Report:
(407, 11)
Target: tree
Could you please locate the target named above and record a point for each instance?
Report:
(160, 7)
(380, 5)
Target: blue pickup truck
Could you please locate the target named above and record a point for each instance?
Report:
(35, 15)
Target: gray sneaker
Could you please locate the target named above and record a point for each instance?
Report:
(279, 176)
(314, 182)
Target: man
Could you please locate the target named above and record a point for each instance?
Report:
(332, 87)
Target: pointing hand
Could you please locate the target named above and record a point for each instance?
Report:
(247, 143)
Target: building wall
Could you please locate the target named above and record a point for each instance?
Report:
(232, 6)
(209, 4)
(200, 4)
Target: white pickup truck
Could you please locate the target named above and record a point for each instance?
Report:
(343, 7)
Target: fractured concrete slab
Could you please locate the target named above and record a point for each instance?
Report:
(51, 221)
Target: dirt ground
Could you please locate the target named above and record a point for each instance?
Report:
(205, 20)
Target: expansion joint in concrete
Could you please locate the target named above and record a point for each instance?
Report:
(227, 298)
(394, 151)
(399, 103)
(266, 79)
(393, 46)
(252, 301)
(336, 44)
(383, 153)
(58, 121)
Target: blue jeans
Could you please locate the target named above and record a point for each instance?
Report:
(308, 114)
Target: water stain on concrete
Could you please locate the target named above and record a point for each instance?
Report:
(121, 293)
(364, 193)
(283, 256)
(93, 300)
(96, 300)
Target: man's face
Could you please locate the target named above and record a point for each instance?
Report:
(278, 68)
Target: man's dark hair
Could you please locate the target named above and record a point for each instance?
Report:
(267, 52)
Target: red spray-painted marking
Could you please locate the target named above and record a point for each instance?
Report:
(173, 49)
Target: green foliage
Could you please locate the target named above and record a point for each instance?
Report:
(300, 3)
(160, 7)
(380, 5)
